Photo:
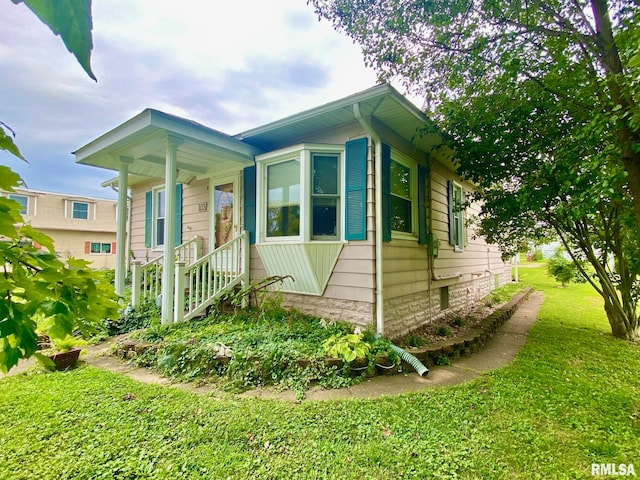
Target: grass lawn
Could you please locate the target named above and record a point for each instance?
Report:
(568, 400)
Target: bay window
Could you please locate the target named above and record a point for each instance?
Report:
(283, 199)
(325, 195)
(298, 192)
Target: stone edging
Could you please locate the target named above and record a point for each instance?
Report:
(447, 350)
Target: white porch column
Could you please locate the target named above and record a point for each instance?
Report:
(168, 262)
(121, 231)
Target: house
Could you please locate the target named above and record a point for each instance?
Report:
(349, 199)
(80, 226)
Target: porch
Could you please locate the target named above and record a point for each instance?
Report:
(199, 280)
(156, 145)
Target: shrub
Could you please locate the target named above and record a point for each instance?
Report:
(459, 321)
(537, 255)
(134, 318)
(563, 270)
(443, 331)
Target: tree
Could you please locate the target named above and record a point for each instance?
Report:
(540, 101)
(35, 283)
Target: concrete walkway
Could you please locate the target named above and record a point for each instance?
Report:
(498, 352)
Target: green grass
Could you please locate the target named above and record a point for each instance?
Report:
(569, 399)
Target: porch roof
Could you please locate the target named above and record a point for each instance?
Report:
(142, 140)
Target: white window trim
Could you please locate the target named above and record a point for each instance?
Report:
(88, 204)
(340, 196)
(100, 252)
(460, 242)
(408, 162)
(16, 194)
(302, 153)
(154, 218)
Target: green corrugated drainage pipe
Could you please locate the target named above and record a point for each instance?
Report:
(417, 365)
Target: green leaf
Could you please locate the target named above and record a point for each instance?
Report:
(9, 178)
(71, 19)
(37, 236)
(6, 143)
(45, 361)
(634, 61)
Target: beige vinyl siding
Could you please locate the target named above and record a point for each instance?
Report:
(405, 268)
(195, 222)
(411, 291)
(69, 243)
(138, 249)
(51, 213)
(478, 256)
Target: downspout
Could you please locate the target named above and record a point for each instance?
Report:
(378, 214)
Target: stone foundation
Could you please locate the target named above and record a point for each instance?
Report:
(406, 313)
(357, 313)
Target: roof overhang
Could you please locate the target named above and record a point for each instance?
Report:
(142, 140)
(382, 103)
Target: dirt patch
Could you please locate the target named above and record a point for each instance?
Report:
(451, 326)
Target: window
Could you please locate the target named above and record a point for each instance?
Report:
(299, 193)
(98, 247)
(444, 298)
(283, 199)
(401, 198)
(457, 234)
(155, 215)
(325, 195)
(80, 210)
(404, 197)
(23, 200)
(158, 217)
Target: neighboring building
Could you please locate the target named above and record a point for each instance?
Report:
(80, 226)
(348, 198)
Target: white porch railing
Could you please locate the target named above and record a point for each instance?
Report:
(200, 283)
(146, 278)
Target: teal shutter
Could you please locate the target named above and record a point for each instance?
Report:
(249, 177)
(178, 218)
(463, 228)
(148, 217)
(355, 209)
(452, 218)
(386, 193)
(422, 204)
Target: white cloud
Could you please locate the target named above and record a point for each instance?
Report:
(229, 65)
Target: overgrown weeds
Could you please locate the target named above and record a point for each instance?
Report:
(271, 345)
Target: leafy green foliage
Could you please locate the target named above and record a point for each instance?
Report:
(502, 294)
(347, 347)
(6, 141)
(563, 270)
(443, 331)
(537, 255)
(251, 347)
(134, 318)
(35, 283)
(71, 19)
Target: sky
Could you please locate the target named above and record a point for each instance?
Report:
(230, 65)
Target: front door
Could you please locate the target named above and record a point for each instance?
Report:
(224, 222)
